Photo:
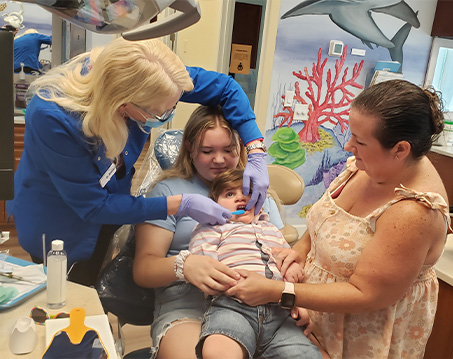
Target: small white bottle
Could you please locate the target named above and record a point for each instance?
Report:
(56, 275)
(21, 89)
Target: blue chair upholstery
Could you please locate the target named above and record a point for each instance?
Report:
(166, 147)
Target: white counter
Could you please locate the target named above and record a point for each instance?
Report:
(444, 267)
(77, 296)
(19, 120)
(443, 150)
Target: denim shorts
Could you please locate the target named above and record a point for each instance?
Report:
(266, 331)
(177, 301)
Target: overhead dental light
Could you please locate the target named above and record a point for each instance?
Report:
(15, 18)
(130, 18)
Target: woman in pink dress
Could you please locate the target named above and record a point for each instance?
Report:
(375, 235)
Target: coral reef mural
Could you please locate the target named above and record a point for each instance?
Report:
(328, 96)
(313, 144)
(287, 149)
(333, 107)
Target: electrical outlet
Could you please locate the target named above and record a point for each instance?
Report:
(300, 112)
(289, 97)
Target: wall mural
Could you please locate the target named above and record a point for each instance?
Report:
(313, 145)
(355, 17)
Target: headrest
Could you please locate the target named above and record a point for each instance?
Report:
(166, 147)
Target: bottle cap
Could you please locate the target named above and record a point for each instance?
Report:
(57, 245)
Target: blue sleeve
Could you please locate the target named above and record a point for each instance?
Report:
(44, 39)
(213, 88)
(271, 208)
(63, 155)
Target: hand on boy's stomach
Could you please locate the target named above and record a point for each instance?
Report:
(284, 257)
(209, 275)
(294, 274)
(256, 289)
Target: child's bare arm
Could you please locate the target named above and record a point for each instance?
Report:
(294, 273)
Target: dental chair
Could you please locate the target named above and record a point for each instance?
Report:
(289, 187)
(285, 182)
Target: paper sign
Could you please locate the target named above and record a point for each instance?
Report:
(240, 59)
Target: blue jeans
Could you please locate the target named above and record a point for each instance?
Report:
(266, 331)
(177, 301)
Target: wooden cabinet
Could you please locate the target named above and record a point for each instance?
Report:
(19, 131)
(2, 215)
(442, 19)
(440, 344)
(444, 165)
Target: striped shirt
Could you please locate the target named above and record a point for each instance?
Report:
(241, 246)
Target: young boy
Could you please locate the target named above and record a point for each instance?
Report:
(230, 328)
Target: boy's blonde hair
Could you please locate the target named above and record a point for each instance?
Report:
(97, 83)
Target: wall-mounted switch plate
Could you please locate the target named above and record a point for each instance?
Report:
(336, 48)
(289, 97)
(300, 112)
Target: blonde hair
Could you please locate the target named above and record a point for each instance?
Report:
(202, 119)
(29, 31)
(97, 83)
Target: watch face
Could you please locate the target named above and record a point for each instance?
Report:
(287, 300)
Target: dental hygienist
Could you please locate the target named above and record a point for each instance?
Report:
(85, 128)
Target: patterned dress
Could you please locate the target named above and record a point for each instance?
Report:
(337, 241)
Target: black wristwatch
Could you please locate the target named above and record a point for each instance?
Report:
(288, 298)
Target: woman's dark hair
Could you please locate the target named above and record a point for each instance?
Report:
(406, 112)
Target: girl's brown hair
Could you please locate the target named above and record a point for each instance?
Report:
(202, 119)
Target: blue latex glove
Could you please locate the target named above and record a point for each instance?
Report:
(256, 172)
(202, 209)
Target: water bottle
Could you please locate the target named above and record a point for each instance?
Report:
(56, 275)
(21, 89)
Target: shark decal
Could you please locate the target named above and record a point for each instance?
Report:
(354, 16)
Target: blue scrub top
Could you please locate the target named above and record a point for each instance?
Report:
(27, 49)
(57, 183)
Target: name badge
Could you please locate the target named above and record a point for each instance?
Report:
(107, 175)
